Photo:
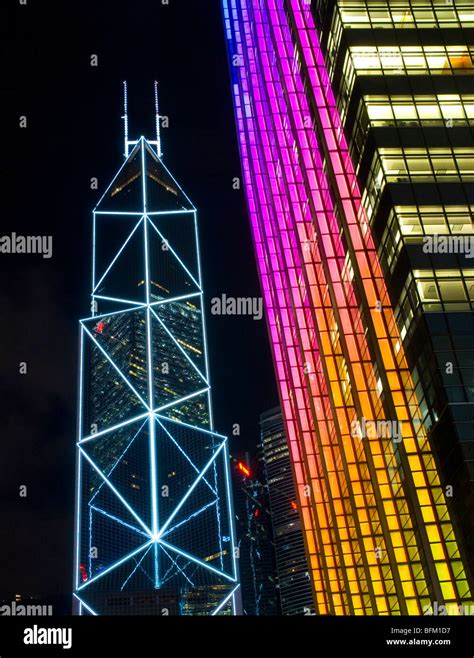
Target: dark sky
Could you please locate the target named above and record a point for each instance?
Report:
(74, 133)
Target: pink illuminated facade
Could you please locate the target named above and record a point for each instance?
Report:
(378, 531)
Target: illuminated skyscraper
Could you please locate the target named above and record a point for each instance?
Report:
(292, 571)
(402, 74)
(257, 566)
(378, 522)
(154, 518)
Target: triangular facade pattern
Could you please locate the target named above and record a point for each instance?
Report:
(154, 517)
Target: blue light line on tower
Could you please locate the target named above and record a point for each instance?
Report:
(151, 471)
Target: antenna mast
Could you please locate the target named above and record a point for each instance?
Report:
(125, 119)
(157, 121)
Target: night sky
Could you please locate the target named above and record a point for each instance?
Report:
(74, 132)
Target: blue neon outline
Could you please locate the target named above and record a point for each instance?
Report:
(192, 427)
(190, 490)
(85, 605)
(191, 516)
(175, 254)
(150, 150)
(136, 567)
(117, 493)
(117, 520)
(131, 155)
(117, 255)
(116, 368)
(222, 604)
(177, 566)
(178, 401)
(188, 358)
(185, 454)
(117, 300)
(193, 558)
(132, 309)
(115, 565)
(90, 437)
(181, 298)
(203, 320)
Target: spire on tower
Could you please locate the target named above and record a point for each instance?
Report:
(157, 120)
(125, 118)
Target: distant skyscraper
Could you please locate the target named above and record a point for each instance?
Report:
(376, 515)
(257, 566)
(154, 520)
(293, 577)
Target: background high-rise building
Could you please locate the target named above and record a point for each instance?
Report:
(154, 520)
(377, 516)
(402, 74)
(292, 571)
(254, 539)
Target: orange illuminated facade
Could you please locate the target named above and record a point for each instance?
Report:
(379, 534)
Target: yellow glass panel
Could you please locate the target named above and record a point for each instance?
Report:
(448, 591)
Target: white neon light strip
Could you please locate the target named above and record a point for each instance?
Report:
(172, 177)
(118, 254)
(175, 254)
(204, 331)
(117, 369)
(152, 446)
(221, 605)
(197, 561)
(230, 510)
(132, 309)
(118, 213)
(137, 565)
(85, 605)
(117, 493)
(113, 429)
(119, 301)
(115, 565)
(132, 154)
(176, 299)
(171, 212)
(192, 427)
(186, 456)
(176, 402)
(190, 490)
(181, 349)
(191, 516)
(79, 474)
(117, 520)
(176, 565)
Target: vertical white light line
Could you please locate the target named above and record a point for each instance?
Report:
(203, 319)
(125, 118)
(225, 456)
(94, 219)
(153, 465)
(77, 548)
(157, 120)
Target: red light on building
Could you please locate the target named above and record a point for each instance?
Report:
(294, 505)
(100, 326)
(243, 469)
